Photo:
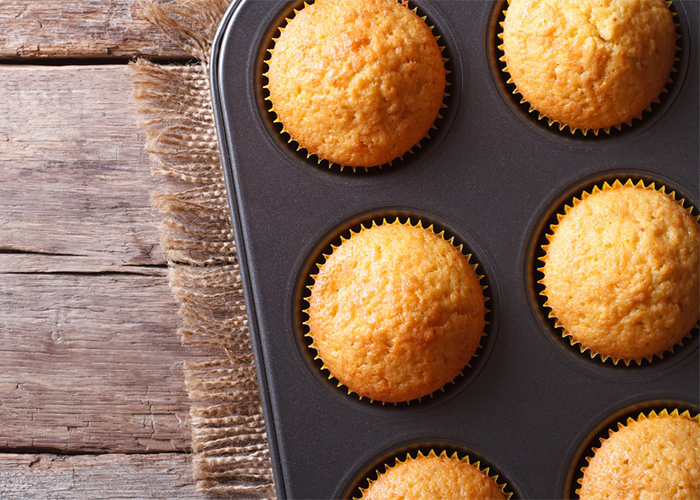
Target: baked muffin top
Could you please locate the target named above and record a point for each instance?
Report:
(396, 312)
(356, 82)
(656, 458)
(434, 477)
(589, 64)
(621, 272)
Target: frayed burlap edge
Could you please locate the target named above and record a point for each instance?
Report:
(229, 443)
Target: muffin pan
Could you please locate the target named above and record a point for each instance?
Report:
(491, 175)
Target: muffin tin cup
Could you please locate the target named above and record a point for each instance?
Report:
(541, 241)
(611, 423)
(433, 135)
(559, 131)
(559, 125)
(489, 175)
(355, 487)
(361, 223)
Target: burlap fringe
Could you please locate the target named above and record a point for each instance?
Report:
(230, 452)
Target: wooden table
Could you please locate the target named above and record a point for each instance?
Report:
(92, 397)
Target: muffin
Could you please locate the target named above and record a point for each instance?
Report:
(356, 82)
(589, 64)
(434, 477)
(655, 458)
(395, 312)
(621, 272)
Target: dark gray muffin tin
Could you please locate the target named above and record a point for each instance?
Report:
(493, 176)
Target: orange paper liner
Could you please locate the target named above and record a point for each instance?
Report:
(454, 456)
(420, 225)
(552, 229)
(642, 416)
(301, 148)
(561, 126)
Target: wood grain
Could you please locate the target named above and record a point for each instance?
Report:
(89, 357)
(88, 347)
(90, 363)
(74, 179)
(163, 476)
(31, 29)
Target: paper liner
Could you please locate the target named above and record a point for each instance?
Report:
(561, 126)
(454, 456)
(301, 148)
(552, 230)
(430, 228)
(611, 431)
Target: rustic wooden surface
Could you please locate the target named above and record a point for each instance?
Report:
(92, 398)
(75, 179)
(31, 29)
(90, 363)
(112, 476)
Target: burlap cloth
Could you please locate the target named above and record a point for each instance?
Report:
(229, 444)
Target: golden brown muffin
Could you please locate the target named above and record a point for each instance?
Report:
(356, 82)
(621, 272)
(655, 458)
(434, 477)
(589, 64)
(396, 312)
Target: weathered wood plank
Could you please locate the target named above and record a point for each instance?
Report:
(90, 363)
(79, 29)
(57, 477)
(89, 357)
(74, 179)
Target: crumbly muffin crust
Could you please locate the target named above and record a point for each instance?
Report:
(589, 64)
(621, 272)
(357, 82)
(656, 459)
(434, 477)
(396, 312)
